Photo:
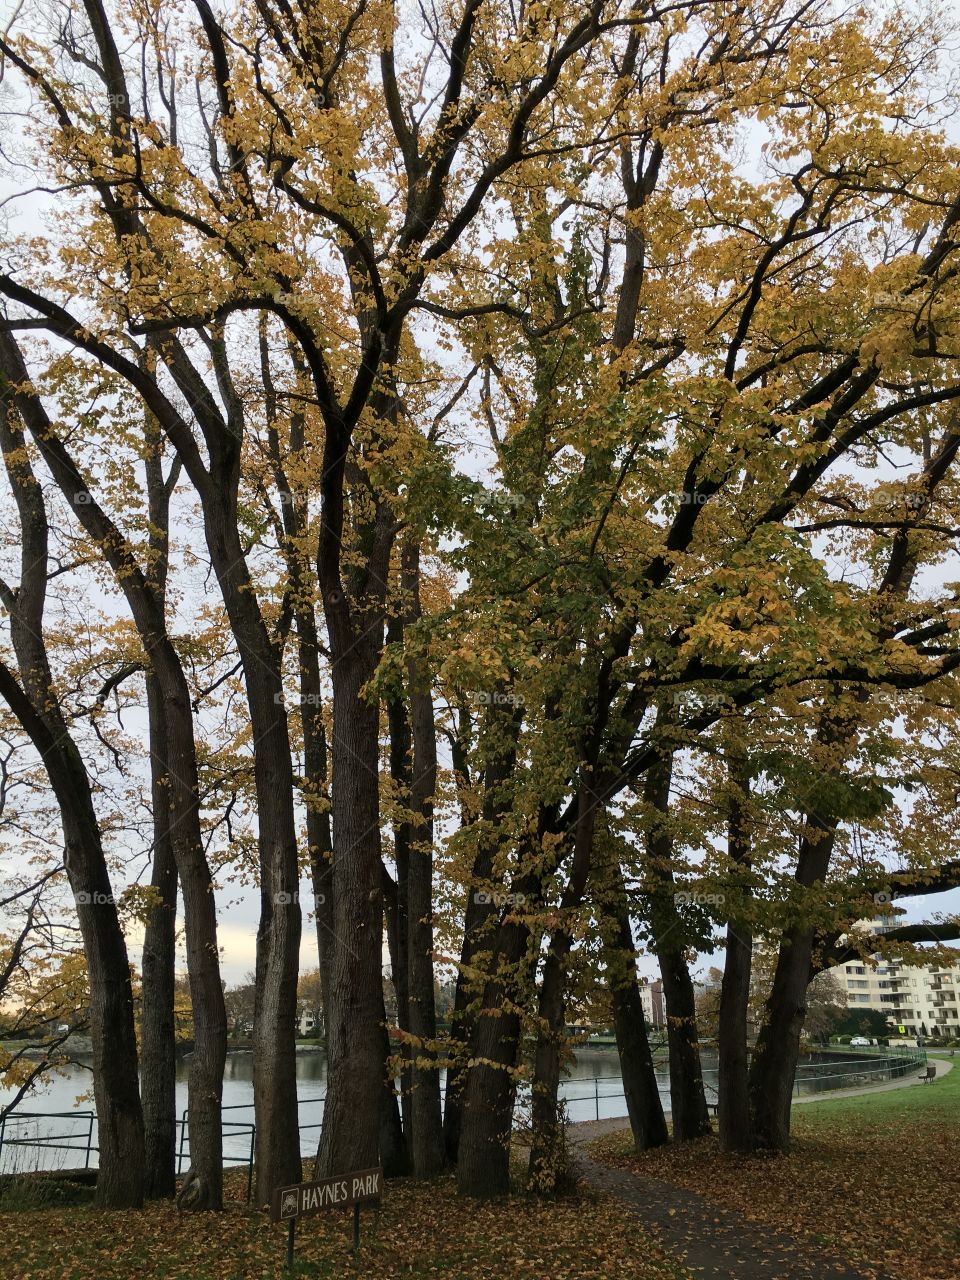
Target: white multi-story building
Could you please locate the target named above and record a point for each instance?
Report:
(923, 1000)
(651, 997)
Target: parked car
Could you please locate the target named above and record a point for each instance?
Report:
(859, 1042)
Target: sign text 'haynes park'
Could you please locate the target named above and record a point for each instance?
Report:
(306, 1198)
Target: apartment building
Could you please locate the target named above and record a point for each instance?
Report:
(651, 997)
(923, 1000)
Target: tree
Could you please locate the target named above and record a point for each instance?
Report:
(708, 999)
(31, 695)
(240, 1002)
(862, 1022)
(826, 1007)
(177, 816)
(43, 990)
(694, 282)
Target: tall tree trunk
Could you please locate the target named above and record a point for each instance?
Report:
(499, 749)
(116, 1085)
(354, 1102)
(158, 1076)
(426, 1131)
(733, 1105)
(688, 1104)
(547, 1140)
(278, 936)
(483, 1166)
(777, 1052)
(648, 1124)
(319, 840)
(397, 891)
(120, 1136)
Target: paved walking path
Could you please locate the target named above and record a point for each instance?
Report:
(712, 1242)
(715, 1243)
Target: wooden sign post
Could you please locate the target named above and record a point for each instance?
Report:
(304, 1199)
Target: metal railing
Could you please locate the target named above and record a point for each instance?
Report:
(239, 1136)
(227, 1129)
(75, 1140)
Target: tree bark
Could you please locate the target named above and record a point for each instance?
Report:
(546, 1148)
(396, 892)
(733, 1099)
(733, 1105)
(158, 1077)
(499, 750)
(426, 1116)
(354, 1101)
(483, 1166)
(278, 935)
(688, 1105)
(648, 1124)
(777, 1052)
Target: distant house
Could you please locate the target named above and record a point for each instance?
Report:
(307, 1023)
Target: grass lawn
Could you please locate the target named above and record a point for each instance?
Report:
(423, 1231)
(874, 1179)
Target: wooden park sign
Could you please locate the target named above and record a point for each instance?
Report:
(304, 1199)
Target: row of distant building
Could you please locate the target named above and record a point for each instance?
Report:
(916, 999)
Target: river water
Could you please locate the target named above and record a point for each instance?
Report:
(55, 1126)
(58, 1112)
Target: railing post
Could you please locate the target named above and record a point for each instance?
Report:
(183, 1130)
(90, 1120)
(253, 1135)
(596, 1094)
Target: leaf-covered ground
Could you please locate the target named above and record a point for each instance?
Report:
(423, 1231)
(874, 1179)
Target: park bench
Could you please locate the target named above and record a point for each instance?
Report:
(929, 1074)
